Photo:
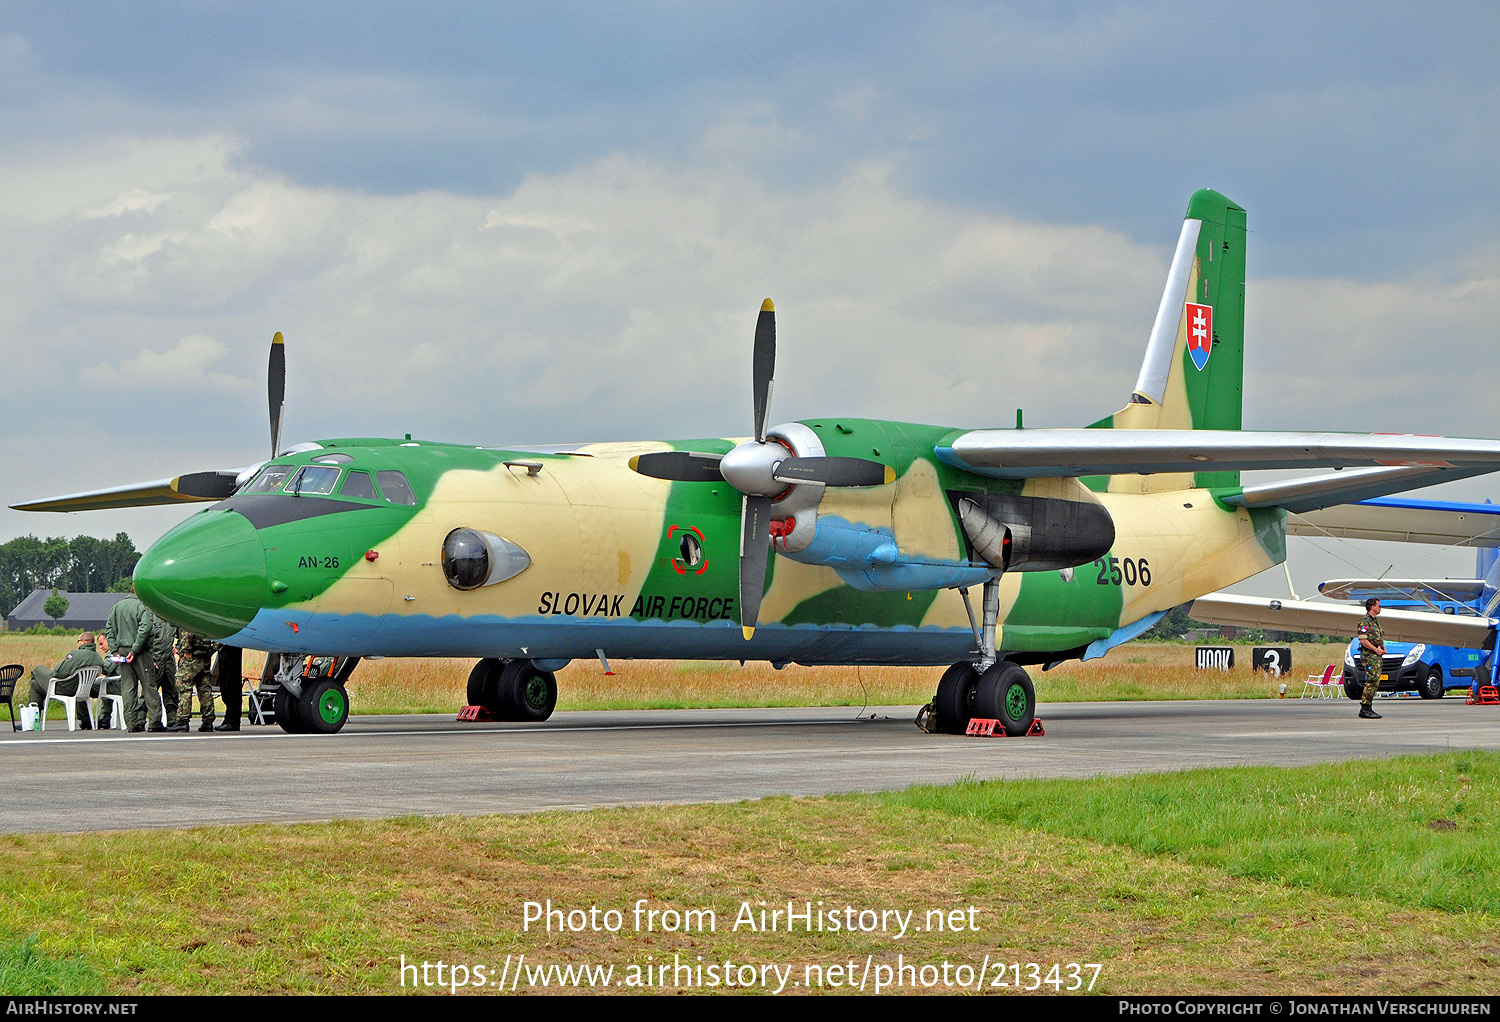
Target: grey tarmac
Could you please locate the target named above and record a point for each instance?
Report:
(382, 766)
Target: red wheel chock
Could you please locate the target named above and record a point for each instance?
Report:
(989, 727)
(474, 713)
(1488, 696)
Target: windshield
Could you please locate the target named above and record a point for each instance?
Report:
(269, 479)
(314, 479)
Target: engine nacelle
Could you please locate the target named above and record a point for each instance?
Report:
(1020, 533)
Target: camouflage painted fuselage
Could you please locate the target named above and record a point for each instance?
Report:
(610, 569)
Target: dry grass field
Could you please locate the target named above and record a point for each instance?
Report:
(1135, 671)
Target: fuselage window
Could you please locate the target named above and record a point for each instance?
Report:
(269, 480)
(357, 484)
(313, 479)
(396, 489)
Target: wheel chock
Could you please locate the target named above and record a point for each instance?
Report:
(983, 727)
(1489, 695)
(1036, 730)
(475, 713)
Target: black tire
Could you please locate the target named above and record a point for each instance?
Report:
(325, 706)
(1006, 694)
(954, 702)
(1354, 687)
(477, 679)
(530, 692)
(288, 712)
(1431, 687)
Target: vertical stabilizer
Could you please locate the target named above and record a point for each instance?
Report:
(1193, 374)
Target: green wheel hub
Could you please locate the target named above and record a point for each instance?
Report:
(1015, 701)
(535, 692)
(331, 706)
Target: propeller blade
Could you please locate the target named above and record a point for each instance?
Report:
(680, 466)
(764, 366)
(276, 389)
(834, 472)
(755, 547)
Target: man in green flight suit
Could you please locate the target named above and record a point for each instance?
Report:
(128, 632)
(163, 636)
(1371, 654)
(84, 656)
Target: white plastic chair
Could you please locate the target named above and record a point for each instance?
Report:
(117, 713)
(85, 677)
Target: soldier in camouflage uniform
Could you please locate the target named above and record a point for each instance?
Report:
(1371, 655)
(194, 657)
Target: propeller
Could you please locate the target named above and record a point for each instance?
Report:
(762, 469)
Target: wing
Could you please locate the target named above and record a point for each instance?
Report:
(1422, 590)
(183, 489)
(1404, 521)
(1030, 453)
(1341, 619)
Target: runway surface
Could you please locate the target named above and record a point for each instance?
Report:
(394, 765)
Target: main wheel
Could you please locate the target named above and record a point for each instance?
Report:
(480, 677)
(530, 692)
(1005, 693)
(1432, 685)
(325, 706)
(288, 712)
(954, 703)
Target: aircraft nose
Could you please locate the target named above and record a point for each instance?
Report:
(207, 575)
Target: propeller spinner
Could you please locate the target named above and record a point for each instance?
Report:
(763, 469)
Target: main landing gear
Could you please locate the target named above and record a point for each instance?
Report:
(989, 688)
(513, 689)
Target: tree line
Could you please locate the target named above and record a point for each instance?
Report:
(83, 564)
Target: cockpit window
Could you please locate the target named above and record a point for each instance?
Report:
(357, 484)
(313, 479)
(396, 489)
(269, 479)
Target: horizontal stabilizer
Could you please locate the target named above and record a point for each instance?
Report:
(1030, 453)
(1341, 619)
(183, 489)
(1404, 521)
(1425, 590)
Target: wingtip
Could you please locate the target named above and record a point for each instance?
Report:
(766, 306)
(749, 630)
(277, 339)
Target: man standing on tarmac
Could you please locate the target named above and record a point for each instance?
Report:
(194, 658)
(128, 632)
(1371, 656)
(163, 636)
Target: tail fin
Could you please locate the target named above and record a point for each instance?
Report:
(1193, 374)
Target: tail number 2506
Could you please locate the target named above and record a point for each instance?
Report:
(1130, 571)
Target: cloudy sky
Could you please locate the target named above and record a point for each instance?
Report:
(553, 223)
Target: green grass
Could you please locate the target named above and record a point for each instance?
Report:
(1326, 879)
(25, 970)
(1423, 829)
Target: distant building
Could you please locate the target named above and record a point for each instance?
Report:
(85, 611)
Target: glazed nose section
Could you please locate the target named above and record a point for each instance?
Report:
(208, 575)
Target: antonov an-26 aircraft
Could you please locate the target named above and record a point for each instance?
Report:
(833, 540)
